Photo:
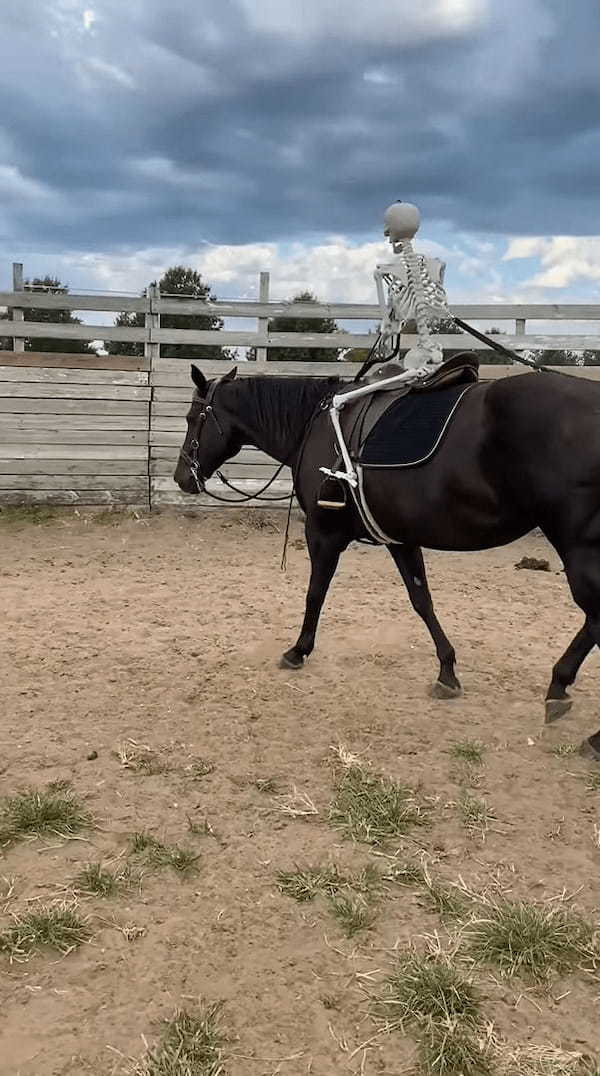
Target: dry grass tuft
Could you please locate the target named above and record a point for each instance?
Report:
(37, 811)
(353, 912)
(533, 1060)
(531, 940)
(191, 1044)
(100, 881)
(56, 926)
(431, 995)
(469, 751)
(476, 814)
(142, 759)
(296, 805)
(157, 854)
(373, 809)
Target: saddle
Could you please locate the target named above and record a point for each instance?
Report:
(399, 426)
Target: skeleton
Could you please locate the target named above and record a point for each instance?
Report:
(415, 293)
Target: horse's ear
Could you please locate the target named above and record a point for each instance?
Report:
(199, 380)
(231, 375)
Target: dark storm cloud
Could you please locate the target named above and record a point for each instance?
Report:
(153, 124)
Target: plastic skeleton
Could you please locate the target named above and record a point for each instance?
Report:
(415, 293)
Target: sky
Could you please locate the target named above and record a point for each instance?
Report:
(272, 134)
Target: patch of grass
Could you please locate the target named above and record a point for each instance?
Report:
(94, 878)
(531, 940)
(36, 515)
(592, 782)
(432, 995)
(54, 927)
(563, 750)
(191, 1044)
(407, 874)
(157, 854)
(475, 813)
(445, 900)
(38, 811)
(450, 1049)
(352, 912)
(110, 517)
(305, 884)
(425, 987)
(373, 809)
(470, 751)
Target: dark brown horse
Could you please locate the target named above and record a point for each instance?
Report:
(521, 452)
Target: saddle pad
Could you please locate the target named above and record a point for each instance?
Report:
(411, 430)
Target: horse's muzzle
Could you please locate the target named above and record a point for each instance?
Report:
(188, 479)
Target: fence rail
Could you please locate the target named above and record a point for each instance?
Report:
(106, 429)
(153, 306)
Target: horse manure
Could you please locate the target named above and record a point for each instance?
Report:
(534, 564)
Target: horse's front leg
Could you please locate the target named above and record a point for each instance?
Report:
(410, 564)
(324, 547)
(558, 702)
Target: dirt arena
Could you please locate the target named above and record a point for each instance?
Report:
(121, 636)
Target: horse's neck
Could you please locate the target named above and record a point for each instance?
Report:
(273, 417)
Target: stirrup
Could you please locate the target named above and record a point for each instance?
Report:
(332, 494)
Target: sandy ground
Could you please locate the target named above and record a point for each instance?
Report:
(167, 632)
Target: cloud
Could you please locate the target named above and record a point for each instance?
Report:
(259, 121)
(105, 70)
(379, 21)
(565, 260)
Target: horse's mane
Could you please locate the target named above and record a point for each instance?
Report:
(286, 404)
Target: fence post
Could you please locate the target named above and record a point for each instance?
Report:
(263, 323)
(18, 314)
(152, 321)
(151, 353)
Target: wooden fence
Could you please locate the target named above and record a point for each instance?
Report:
(98, 429)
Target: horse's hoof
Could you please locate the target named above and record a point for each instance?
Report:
(445, 691)
(291, 660)
(587, 750)
(557, 708)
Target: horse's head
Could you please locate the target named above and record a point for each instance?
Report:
(212, 435)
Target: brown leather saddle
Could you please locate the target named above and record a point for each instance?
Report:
(358, 418)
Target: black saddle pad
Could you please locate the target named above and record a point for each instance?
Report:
(411, 429)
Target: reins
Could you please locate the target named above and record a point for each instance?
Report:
(374, 357)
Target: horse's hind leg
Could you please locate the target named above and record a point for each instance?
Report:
(409, 562)
(582, 566)
(324, 547)
(564, 672)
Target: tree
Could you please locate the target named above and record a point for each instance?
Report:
(178, 281)
(49, 285)
(288, 323)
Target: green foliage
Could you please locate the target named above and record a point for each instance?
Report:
(288, 323)
(531, 940)
(55, 927)
(47, 285)
(178, 282)
(33, 812)
(191, 1044)
(374, 809)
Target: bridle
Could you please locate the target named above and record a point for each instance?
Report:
(192, 458)
(208, 412)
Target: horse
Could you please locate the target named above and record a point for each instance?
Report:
(520, 453)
